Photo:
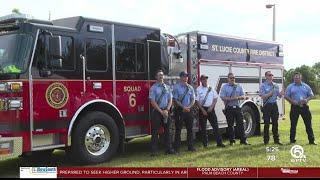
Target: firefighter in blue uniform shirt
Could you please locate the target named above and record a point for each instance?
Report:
(299, 94)
(161, 100)
(206, 99)
(269, 91)
(231, 93)
(184, 98)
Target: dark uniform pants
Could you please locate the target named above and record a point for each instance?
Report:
(271, 112)
(214, 123)
(306, 116)
(156, 121)
(235, 115)
(187, 118)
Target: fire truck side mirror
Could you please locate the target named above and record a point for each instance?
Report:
(56, 63)
(55, 51)
(55, 46)
(45, 73)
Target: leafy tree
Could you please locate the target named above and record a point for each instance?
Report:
(308, 76)
(288, 76)
(316, 69)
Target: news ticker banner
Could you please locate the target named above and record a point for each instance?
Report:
(202, 172)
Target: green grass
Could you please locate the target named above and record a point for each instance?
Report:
(137, 152)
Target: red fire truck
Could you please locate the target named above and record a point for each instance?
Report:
(82, 84)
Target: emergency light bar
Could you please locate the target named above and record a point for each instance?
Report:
(14, 18)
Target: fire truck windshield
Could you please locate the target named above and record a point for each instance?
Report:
(14, 53)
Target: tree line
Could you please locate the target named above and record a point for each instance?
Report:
(310, 75)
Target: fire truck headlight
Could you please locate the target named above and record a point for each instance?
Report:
(15, 104)
(3, 87)
(3, 105)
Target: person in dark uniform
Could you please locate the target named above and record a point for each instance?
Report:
(206, 99)
(269, 91)
(231, 93)
(161, 100)
(184, 98)
(299, 94)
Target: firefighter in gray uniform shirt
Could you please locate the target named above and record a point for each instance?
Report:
(298, 94)
(231, 93)
(161, 100)
(269, 91)
(184, 98)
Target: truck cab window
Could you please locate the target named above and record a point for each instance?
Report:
(3, 54)
(67, 53)
(96, 53)
(140, 57)
(130, 57)
(42, 53)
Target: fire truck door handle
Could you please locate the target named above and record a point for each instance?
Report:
(83, 72)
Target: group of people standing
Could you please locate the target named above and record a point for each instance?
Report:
(298, 94)
(184, 98)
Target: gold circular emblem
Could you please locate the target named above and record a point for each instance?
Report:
(57, 95)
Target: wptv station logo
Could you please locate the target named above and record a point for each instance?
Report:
(297, 152)
(38, 172)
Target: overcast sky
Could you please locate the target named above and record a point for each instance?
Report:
(297, 21)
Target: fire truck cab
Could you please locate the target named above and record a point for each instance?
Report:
(77, 83)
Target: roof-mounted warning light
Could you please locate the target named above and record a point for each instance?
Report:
(12, 18)
(204, 39)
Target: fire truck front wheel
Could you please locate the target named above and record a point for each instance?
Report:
(95, 138)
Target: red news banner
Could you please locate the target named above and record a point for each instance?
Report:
(122, 172)
(203, 172)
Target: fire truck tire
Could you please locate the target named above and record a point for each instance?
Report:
(250, 121)
(95, 138)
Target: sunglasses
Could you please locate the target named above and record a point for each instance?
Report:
(231, 77)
